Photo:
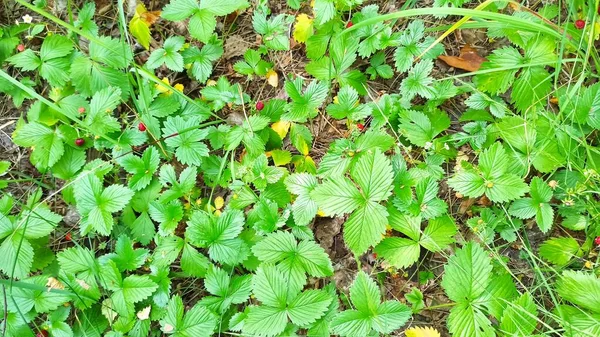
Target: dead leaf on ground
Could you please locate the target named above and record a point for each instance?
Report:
(272, 78)
(235, 45)
(468, 59)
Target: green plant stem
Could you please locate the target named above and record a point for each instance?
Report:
(440, 306)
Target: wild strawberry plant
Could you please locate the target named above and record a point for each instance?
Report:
(177, 187)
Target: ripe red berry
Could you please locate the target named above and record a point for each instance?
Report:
(142, 127)
(349, 24)
(21, 47)
(42, 333)
(360, 126)
(579, 24)
(79, 141)
(260, 105)
(597, 241)
(374, 255)
(68, 236)
(81, 109)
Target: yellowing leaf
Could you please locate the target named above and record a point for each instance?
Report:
(272, 78)
(139, 26)
(281, 127)
(422, 332)
(281, 157)
(303, 29)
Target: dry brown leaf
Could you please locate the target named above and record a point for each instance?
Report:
(468, 59)
(150, 17)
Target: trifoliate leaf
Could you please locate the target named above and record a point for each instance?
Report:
(225, 289)
(96, 204)
(125, 256)
(369, 313)
(168, 55)
(493, 178)
(304, 104)
(219, 234)
(48, 148)
(537, 205)
(188, 145)
(197, 321)
(298, 258)
(280, 304)
(141, 168)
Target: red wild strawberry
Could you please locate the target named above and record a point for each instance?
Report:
(42, 333)
(81, 110)
(360, 126)
(579, 24)
(21, 47)
(597, 241)
(374, 255)
(260, 105)
(68, 236)
(349, 24)
(79, 141)
(142, 127)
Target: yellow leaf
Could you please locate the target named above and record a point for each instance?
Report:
(219, 202)
(140, 29)
(163, 88)
(281, 127)
(422, 332)
(272, 78)
(303, 29)
(178, 87)
(139, 26)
